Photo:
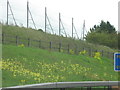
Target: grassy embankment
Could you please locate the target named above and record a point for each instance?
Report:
(23, 65)
(27, 65)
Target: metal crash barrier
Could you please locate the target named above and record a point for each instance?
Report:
(107, 85)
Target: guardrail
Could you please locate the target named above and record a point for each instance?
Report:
(63, 85)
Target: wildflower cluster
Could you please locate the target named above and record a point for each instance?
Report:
(83, 52)
(97, 55)
(21, 45)
(43, 72)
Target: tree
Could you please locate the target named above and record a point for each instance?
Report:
(104, 27)
(40, 30)
(110, 40)
(103, 34)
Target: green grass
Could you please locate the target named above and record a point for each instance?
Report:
(23, 65)
(38, 35)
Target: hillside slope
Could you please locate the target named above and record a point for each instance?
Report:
(24, 65)
(38, 35)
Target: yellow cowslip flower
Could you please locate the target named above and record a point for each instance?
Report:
(45, 72)
(97, 55)
(83, 52)
(21, 45)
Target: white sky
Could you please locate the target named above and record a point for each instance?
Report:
(93, 11)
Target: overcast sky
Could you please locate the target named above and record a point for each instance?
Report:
(92, 11)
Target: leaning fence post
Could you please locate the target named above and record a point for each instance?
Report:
(60, 47)
(16, 40)
(28, 42)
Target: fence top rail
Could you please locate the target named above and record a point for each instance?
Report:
(69, 84)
